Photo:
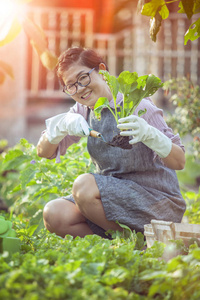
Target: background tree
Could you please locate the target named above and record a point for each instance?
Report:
(159, 10)
(13, 19)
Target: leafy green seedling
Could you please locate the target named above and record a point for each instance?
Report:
(133, 89)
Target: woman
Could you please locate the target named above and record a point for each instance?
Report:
(130, 186)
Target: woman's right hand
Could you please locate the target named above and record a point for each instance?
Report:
(61, 125)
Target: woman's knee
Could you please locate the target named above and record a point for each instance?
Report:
(85, 189)
(63, 217)
(51, 215)
(60, 214)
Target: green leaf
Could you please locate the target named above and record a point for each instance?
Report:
(101, 103)
(112, 82)
(128, 85)
(25, 143)
(141, 112)
(196, 253)
(127, 81)
(140, 241)
(147, 86)
(32, 229)
(195, 6)
(13, 153)
(193, 32)
(152, 85)
(141, 82)
(27, 175)
(154, 6)
(164, 12)
(188, 7)
(15, 162)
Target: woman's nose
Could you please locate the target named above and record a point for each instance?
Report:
(79, 87)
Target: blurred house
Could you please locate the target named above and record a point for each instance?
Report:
(114, 29)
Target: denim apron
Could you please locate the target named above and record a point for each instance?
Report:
(134, 187)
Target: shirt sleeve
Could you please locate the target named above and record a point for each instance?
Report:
(69, 139)
(154, 117)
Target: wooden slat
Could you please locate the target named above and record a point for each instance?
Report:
(112, 55)
(63, 35)
(50, 76)
(167, 48)
(180, 47)
(89, 24)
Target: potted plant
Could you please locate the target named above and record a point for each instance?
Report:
(133, 88)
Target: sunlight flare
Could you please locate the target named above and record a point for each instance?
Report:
(10, 11)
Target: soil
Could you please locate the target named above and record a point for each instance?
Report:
(121, 142)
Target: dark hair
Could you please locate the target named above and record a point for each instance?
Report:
(83, 56)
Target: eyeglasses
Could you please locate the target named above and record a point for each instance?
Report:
(83, 80)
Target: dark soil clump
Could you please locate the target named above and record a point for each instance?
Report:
(121, 142)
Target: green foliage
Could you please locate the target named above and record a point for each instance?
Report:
(177, 280)
(193, 203)
(133, 89)
(158, 10)
(27, 182)
(185, 120)
(50, 267)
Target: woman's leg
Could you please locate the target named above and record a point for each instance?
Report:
(63, 217)
(87, 197)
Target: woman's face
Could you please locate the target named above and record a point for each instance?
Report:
(89, 94)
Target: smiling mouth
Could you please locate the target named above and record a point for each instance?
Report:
(86, 95)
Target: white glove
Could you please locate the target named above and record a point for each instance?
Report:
(147, 134)
(66, 124)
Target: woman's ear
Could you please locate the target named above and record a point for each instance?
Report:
(102, 66)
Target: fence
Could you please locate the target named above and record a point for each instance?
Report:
(130, 49)
(35, 93)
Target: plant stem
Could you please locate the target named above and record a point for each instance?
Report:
(116, 116)
(123, 107)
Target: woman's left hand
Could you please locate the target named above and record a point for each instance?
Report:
(141, 131)
(171, 154)
(138, 128)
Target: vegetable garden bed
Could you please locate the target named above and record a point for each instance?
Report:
(50, 267)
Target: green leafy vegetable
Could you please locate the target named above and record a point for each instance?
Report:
(133, 88)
